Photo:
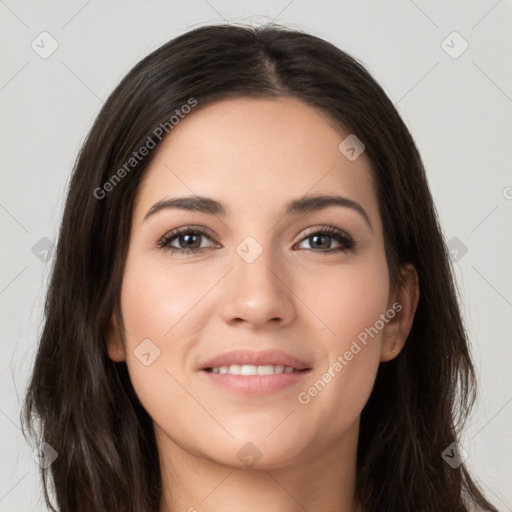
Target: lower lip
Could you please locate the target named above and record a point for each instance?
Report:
(255, 385)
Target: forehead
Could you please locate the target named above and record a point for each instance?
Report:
(256, 154)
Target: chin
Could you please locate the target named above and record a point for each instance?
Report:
(260, 453)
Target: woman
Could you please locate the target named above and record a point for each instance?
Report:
(252, 305)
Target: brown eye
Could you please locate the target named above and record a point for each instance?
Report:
(188, 240)
(322, 239)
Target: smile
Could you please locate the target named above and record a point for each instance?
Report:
(249, 369)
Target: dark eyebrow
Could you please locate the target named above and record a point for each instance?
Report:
(315, 203)
(192, 203)
(297, 206)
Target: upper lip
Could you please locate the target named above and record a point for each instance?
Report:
(256, 358)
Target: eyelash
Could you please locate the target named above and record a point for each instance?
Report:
(343, 238)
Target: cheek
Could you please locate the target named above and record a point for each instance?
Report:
(346, 299)
(158, 302)
(350, 305)
(160, 320)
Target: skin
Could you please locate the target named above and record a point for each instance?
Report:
(254, 156)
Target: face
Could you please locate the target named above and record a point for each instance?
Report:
(255, 333)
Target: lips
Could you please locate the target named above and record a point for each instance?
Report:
(255, 358)
(254, 373)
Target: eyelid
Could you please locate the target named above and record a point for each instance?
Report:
(191, 228)
(347, 240)
(324, 228)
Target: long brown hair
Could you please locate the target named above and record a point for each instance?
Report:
(84, 403)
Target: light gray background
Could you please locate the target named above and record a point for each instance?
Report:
(458, 110)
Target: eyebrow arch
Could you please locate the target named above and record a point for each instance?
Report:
(298, 206)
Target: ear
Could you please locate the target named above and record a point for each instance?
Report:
(403, 301)
(115, 344)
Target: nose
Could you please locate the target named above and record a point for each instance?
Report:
(257, 292)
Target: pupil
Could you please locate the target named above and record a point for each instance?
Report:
(316, 237)
(189, 238)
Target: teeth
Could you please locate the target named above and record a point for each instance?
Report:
(249, 369)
